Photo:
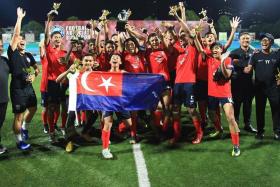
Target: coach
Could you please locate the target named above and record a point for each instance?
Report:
(242, 83)
(265, 64)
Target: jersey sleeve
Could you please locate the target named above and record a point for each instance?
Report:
(31, 59)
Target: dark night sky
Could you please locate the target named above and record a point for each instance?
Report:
(86, 9)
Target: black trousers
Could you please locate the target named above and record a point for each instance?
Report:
(3, 109)
(273, 96)
(245, 99)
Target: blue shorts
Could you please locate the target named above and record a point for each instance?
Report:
(183, 93)
(120, 115)
(201, 90)
(213, 102)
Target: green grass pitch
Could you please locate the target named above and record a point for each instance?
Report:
(207, 164)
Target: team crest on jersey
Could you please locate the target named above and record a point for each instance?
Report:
(159, 58)
(58, 28)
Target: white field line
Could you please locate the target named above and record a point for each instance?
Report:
(142, 172)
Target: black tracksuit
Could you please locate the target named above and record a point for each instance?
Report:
(265, 66)
(242, 85)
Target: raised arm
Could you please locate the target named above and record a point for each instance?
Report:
(183, 24)
(212, 29)
(63, 75)
(134, 32)
(234, 24)
(47, 29)
(17, 29)
(183, 11)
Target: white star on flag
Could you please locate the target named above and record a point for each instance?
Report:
(106, 83)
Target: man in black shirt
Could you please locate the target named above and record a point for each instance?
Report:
(4, 98)
(241, 83)
(265, 64)
(24, 102)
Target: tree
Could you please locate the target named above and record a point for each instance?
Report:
(223, 24)
(33, 26)
(192, 16)
(72, 18)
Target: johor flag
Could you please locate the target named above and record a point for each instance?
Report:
(107, 91)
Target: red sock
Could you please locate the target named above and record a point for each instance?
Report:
(63, 119)
(105, 136)
(202, 111)
(165, 125)
(55, 116)
(122, 127)
(133, 128)
(157, 118)
(197, 125)
(177, 128)
(51, 123)
(235, 138)
(44, 116)
(83, 117)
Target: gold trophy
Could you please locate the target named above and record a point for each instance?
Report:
(104, 15)
(102, 19)
(173, 10)
(54, 11)
(204, 17)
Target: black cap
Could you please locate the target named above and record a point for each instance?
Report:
(267, 35)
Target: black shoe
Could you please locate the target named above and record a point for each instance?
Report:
(277, 136)
(250, 128)
(56, 128)
(204, 125)
(259, 136)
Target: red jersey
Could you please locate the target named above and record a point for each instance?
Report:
(134, 63)
(186, 66)
(44, 79)
(77, 55)
(202, 67)
(104, 60)
(220, 88)
(55, 67)
(157, 62)
(172, 55)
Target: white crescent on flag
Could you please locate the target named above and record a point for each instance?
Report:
(84, 82)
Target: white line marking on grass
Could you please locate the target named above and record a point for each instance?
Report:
(142, 172)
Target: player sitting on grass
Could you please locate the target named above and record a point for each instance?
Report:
(73, 73)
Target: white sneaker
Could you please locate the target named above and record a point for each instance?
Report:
(107, 154)
(3, 149)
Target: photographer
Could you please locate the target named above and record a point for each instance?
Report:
(241, 83)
